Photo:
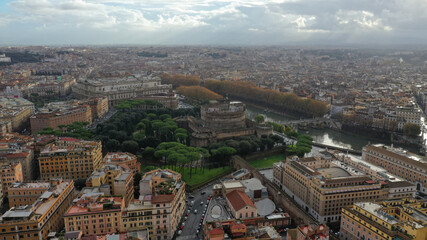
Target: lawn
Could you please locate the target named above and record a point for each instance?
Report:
(201, 177)
(267, 162)
(196, 178)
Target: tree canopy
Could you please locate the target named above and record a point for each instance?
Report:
(145, 128)
(281, 101)
(412, 130)
(198, 93)
(180, 80)
(129, 104)
(259, 119)
(74, 130)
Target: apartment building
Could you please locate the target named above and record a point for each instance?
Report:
(409, 166)
(385, 220)
(19, 117)
(113, 180)
(94, 214)
(49, 86)
(26, 193)
(13, 102)
(160, 205)
(17, 148)
(55, 115)
(408, 115)
(25, 157)
(70, 158)
(99, 106)
(124, 159)
(36, 221)
(9, 173)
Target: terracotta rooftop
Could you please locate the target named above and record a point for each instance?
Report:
(237, 226)
(17, 155)
(163, 198)
(69, 139)
(216, 231)
(239, 200)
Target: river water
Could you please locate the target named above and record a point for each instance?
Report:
(326, 136)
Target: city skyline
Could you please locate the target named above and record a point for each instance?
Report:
(212, 22)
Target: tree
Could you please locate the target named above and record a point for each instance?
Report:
(198, 93)
(165, 116)
(248, 91)
(80, 183)
(276, 138)
(223, 154)
(259, 119)
(244, 147)
(112, 145)
(148, 153)
(130, 146)
(412, 130)
(118, 135)
(180, 80)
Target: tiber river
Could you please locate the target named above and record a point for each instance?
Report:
(326, 136)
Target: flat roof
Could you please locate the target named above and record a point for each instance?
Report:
(265, 207)
(334, 172)
(232, 184)
(31, 185)
(375, 209)
(253, 184)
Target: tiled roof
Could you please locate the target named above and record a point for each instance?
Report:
(164, 198)
(216, 231)
(239, 200)
(17, 155)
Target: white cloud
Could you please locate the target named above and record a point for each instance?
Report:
(204, 21)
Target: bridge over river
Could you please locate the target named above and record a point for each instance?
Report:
(312, 123)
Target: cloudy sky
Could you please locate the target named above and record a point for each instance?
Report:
(224, 22)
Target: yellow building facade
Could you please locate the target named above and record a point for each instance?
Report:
(385, 220)
(70, 158)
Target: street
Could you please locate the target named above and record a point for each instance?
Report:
(103, 119)
(193, 220)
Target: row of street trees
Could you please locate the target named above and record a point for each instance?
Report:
(198, 93)
(180, 80)
(247, 91)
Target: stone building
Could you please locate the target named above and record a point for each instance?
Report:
(399, 162)
(323, 188)
(116, 89)
(221, 120)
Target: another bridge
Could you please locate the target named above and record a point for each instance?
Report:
(313, 123)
